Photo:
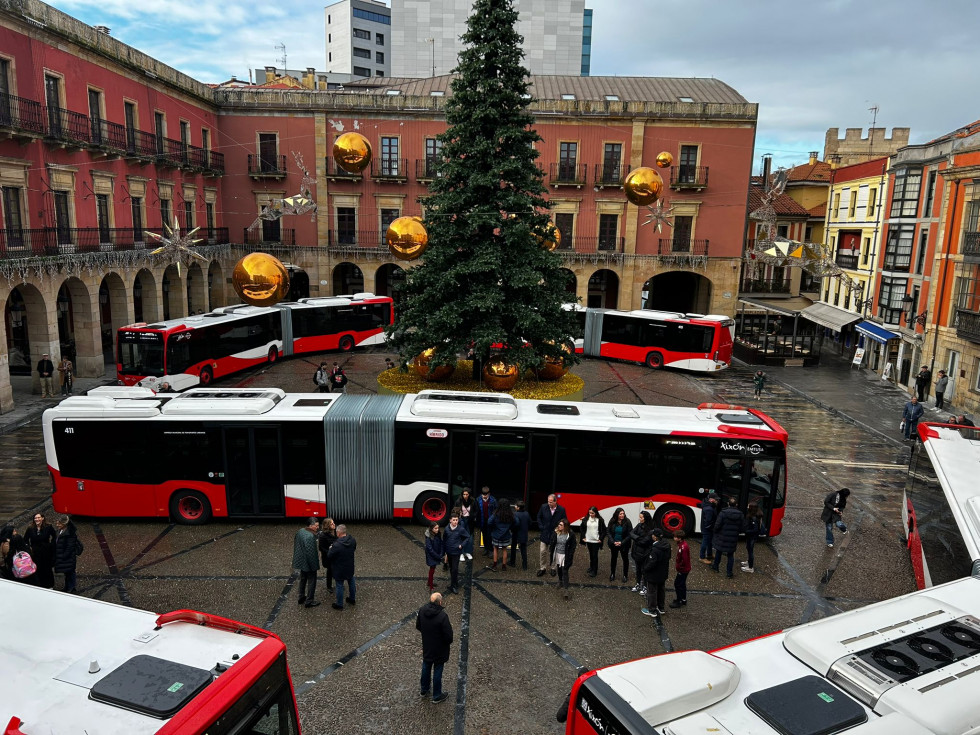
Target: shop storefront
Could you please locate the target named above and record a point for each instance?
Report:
(880, 348)
(771, 332)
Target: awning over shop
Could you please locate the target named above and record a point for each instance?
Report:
(787, 307)
(875, 332)
(830, 316)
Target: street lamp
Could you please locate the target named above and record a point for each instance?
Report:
(910, 320)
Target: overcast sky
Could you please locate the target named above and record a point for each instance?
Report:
(810, 66)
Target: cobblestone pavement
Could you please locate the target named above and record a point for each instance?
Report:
(519, 645)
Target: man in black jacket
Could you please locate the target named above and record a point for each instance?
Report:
(656, 567)
(833, 513)
(341, 558)
(437, 636)
(45, 369)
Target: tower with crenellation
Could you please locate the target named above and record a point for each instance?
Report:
(855, 147)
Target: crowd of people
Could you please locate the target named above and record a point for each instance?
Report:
(42, 551)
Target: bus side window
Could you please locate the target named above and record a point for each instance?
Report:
(653, 334)
(178, 355)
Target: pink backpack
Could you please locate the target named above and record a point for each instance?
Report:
(23, 565)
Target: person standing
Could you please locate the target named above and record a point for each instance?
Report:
(709, 512)
(910, 418)
(592, 531)
(322, 378)
(434, 552)
(67, 549)
(656, 568)
(338, 379)
(501, 532)
(41, 537)
(45, 368)
(618, 538)
(437, 637)
(941, 383)
(562, 550)
(467, 517)
(486, 506)
(522, 522)
(922, 380)
(341, 556)
(753, 529)
(725, 538)
(833, 513)
(682, 565)
(549, 516)
(454, 540)
(306, 562)
(642, 540)
(328, 534)
(759, 383)
(65, 368)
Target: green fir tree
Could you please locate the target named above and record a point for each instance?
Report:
(485, 283)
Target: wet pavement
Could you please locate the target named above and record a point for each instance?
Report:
(519, 644)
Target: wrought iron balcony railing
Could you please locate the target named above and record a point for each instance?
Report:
(54, 241)
(967, 325)
(971, 244)
(389, 169)
(568, 174)
(682, 246)
(266, 167)
(764, 285)
(336, 173)
(688, 177)
(68, 127)
(21, 115)
(847, 261)
(608, 175)
(425, 168)
(259, 236)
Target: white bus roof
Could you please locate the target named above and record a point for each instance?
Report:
(955, 456)
(51, 639)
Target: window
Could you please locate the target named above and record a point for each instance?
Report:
(329, 38)
(165, 213)
(378, 73)
(612, 98)
(136, 206)
(608, 225)
(329, 56)
(358, 33)
(205, 139)
(782, 231)
(835, 209)
(209, 217)
(379, 57)
(268, 152)
(906, 193)
(890, 297)
(188, 216)
(872, 201)
(568, 96)
(687, 165)
(682, 234)
(102, 215)
(852, 204)
(62, 217)
(360, 71)
(361, 53)
(379, 39)
(346, 226)
(12, 220)
(52, 97)
(920, 259)
(686, 99)
(160, 128)
(930, 194)
(129, 110)
(567, 159)
(565, 222)
(387, 217)
(866, 250)
(971, 219)
(966, 292)
(95, 115)
(389, 156)
(271, 230)
(368, 15)
(5, 112)
(898, 249)
(612, 157)
(185, 138)
(433, 154)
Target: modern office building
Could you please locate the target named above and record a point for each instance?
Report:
(358, 38)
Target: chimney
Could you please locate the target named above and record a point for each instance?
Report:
(309, 79)
(234, 78)
(766, 169)
(270, 74)
(104, 30)
(813, 157)
(834, 161)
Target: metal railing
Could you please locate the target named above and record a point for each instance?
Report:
(360, 238)
(689, 177)
(599, 244)
(681, 246)
(425, 168)
(967, 325)
(21, 114)
(971, 244)
(389, 169)
(258, 236)
(847, 261)
(53, 241)
(764, 285)
(610, 175)
(336, 172)
(266, 166)
(569, 174)
(67, 126)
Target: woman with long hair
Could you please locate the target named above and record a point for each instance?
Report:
(325, 539)
(592, 532)
(467, 508)
(40, 537)
(501, 527)
(618, 539)
(66, 550)
(563, 553)
(435, 551)
(640, 536)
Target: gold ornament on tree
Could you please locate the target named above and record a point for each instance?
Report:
(422, 365)
(499, 374)
(260, 279)
(407, 238)
(664, 159)
(552, 239)
(352, 152)
(643, 186)
(554, 367)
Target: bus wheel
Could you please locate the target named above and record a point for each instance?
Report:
(346, 343)
(206, 376)
(655, 360)
(273, 354)
(674, 518)
(431, 507)
(190, 508)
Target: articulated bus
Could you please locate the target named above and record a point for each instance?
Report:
(79, 665)
(906, 666)
(261, 452)
(657, 338)
(194, 350)
(941, 508)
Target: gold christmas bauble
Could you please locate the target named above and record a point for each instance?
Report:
(260, 279)
(352, 152)
(552, 240)
(499, 374)
(407, 238)
(421, 366)
(664, 159)
(554, 367)
(643, 186)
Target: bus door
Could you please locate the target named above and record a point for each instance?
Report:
(501, 463)
(541, 475)
(462, 466)
(253, 471)
(750, 479)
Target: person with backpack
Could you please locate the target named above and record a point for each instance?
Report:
(20, 562)
(67, 548)
(338, 379)
(656, 567)
(321, 378)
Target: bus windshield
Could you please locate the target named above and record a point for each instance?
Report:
(141, 353)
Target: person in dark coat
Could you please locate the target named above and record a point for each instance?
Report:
(437, 637)
(725, 539)
(467, 516)
(618, 539)
(501, 532)
(40, 537)
(833, 513)
(563, 553)
(923, 379)
(522, 522)
(709, 512)
(341, 556)
(549, 515)
(67, 547)
(454, 539)
(656, 568)
(328, 534)
(485, 506)
(434, 551)
(910, 418)
(753, 529)
(45, 369)
(306, 562)
(641, 543)
(592, 531)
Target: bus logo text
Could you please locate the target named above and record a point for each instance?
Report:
(436, 433)
(752, 449)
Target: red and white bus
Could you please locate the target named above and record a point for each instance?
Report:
(84, 666)
(941, 508)
(194, 350)
(906, 666)
(262, 452)
(701, 342)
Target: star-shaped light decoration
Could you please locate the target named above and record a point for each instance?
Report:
(175, 246)
(296, 204)
(660, 215)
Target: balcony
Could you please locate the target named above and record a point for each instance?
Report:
(681, 247)
(54, 241)
(568, 174)
(607, 175)
(971, 244)
(266, 167)
(967, 325)
(847, 261)
(425, 169)
(688, 177)
(20, 118)
(70, 129)
(336, 173)
(391, 170)
(109, 136)
(601, 244)
(273, 236)
(764, 285)
(356, 238)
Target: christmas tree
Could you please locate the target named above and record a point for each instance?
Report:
(487, 285)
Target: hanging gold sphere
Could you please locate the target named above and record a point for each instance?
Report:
(260, 279)
(352, 152)
(554, 367)
(552, 239)
(407, 238)
(422, 367)
(643, 186)
(664, 159)
(499, 374)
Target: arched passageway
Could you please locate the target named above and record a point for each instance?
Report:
(681, 291)
(347, 280)
(217, 295)
(299, 284)
(603, 290)
(197, 290)
(388, 281)
(113, 312)
(146, 302)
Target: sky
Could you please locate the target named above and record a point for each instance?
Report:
(810, 66)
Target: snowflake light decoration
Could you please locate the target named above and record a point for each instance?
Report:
(659, 215)
(296, 204)
(177, 247)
